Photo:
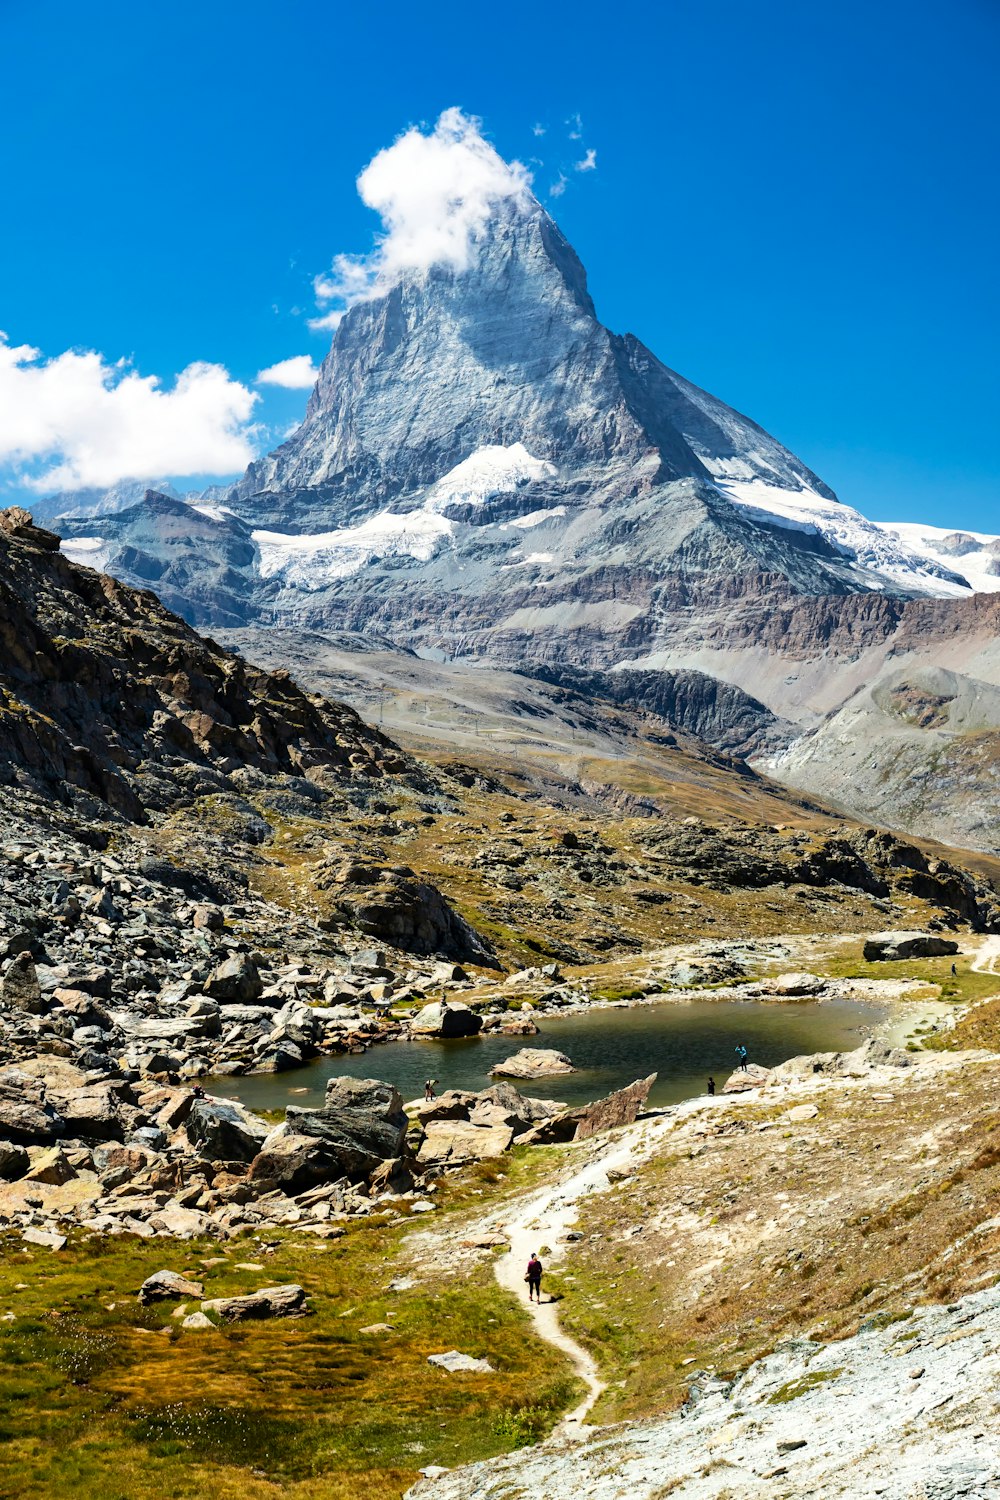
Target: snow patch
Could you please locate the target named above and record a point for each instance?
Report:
(308, 562)
(493, 470)
(87, 551)
(535, 518)
(217, 513)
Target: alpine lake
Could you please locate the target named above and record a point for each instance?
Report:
(683, 1042)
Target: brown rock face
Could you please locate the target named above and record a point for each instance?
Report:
(621, 1108)
(101, 686)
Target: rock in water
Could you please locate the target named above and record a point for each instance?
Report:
(533, 1062)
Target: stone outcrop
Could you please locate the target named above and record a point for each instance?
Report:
(223, 1130)
(620, 1108)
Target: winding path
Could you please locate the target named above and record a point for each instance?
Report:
(543, 1219)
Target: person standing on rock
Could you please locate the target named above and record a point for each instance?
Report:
(741, 1057)
(534, 1278)
(429, 1088)
(711, 1086)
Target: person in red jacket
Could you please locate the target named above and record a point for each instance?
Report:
(534, 1278)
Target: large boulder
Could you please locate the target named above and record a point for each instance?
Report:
(885, 947)
(361, 1124)
(620, 1108)
(270, 1302)
(295, 1162)
(25, 1116)
(223, 1130)
(168, 1284)
(20, 989)
(533, 1062)
(449, 1142)
(235, 979)
(443, 1018)
(753, 1076)
(91, 1114)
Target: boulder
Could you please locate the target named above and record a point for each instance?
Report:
(197, 1320)
(222, 1130)
(92, 1113)
(235, 979)
(295, 1162)
(448, 1142)
(361, 1124)
(533, 1062)
(885, 947)
(443, 1018)
(620, 1108)
(19, 989)
(14, 1162)
(794, 985)
(53, 1167)
(460, 1364)
(166, 1284)
(270, 1302)
(184, 1223)
(753, 1076)
(48, 1239)
(25, 1117)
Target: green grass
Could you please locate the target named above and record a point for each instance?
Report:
(103, 1399)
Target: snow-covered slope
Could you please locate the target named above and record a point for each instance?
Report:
(973, 554)
(898, 553)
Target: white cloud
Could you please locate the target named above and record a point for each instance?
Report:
(77, 420)
(295, 374)
(559, 186)
(435, 194)
(538, 129)
(575, 127)
(589, 162)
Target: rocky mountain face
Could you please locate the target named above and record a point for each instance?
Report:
(485, 473)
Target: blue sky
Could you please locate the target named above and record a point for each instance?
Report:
(795, 206)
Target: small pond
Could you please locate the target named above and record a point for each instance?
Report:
(682, 1042)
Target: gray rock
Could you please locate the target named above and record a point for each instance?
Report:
(361, 1124)
(223, 1130)
(163, 1285)
(460, 1364)
(270, 1302)
(533, 1062)
(885, 947)
(236, 979)
(446, 1019)
(19, 989)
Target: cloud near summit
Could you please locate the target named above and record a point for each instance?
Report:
(435, 193)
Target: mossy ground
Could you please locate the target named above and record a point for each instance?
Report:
(105, 1399)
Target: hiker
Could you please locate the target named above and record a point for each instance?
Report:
(534, 1278)
(198, 1092)
(953, 969)
(429, 1089)
(711, 1085)
(741, 1057)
